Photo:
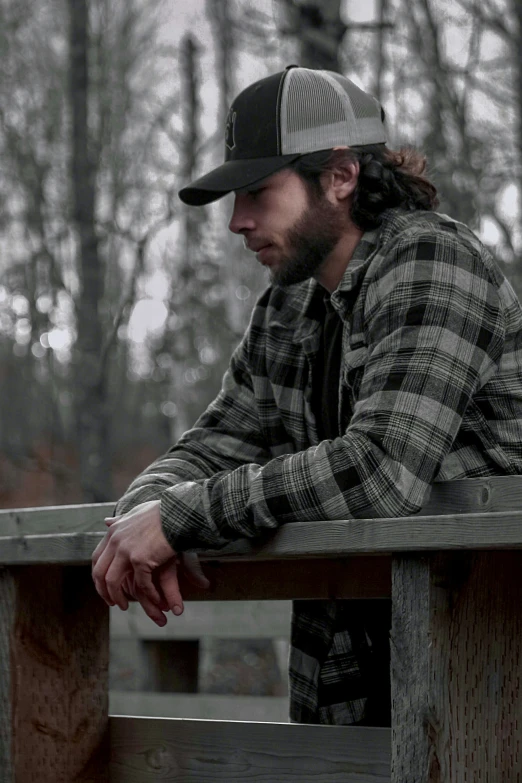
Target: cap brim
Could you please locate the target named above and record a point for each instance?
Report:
(232, 175)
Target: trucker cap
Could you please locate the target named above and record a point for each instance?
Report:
(281, 117)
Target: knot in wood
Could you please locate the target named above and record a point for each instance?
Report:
(160, 759)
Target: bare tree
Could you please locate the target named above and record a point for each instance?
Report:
(48, 293)
(318, 28)
(90, 381)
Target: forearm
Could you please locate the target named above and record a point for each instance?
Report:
(226, 436)
(341, 479)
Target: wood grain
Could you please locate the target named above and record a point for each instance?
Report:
(192, 751)
(410, 669)
(355, 577)
(55, 519)
(485, 514)
(457, 668)
(496, 493)
(58, 668)
(486, 530)
(7, 622)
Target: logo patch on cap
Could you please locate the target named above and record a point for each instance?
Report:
(230, 140)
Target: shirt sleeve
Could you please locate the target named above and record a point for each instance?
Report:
(434, 335)
(225, 436)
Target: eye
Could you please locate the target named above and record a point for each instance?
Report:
(255, 192)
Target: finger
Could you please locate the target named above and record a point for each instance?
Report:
(151, 609)
(164, 604)
(168, 580)
(193, 570)
(98, 552)
(116, 577)
(128, 588)
(145, 587)
(101, 564)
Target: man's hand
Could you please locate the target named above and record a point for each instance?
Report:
(135, 560)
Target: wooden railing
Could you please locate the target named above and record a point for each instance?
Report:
(454, 574)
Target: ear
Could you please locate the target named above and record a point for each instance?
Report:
(342, 178)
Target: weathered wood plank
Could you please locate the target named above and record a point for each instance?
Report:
(487, 530)
(7, 623)
(355, 577)
(230, 620)
(497, 493)
(55, 672)
(485, 513)
(410, 669)
(467, 496)
(190, 751)
(379, 536)
(207, 706)
(55, 519)
(457, 667)
(63, 548)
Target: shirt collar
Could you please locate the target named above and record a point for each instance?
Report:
(301, 304)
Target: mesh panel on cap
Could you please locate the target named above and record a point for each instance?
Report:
(311, 104)
(320, 110)
(363, 105)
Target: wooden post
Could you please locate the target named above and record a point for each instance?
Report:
(457, 667)
(54, 655)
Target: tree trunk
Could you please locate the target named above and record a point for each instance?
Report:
(318, 26)
(90, 384)
(517, 60)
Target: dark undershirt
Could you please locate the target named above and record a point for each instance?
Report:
(325, 380)
(365, 620)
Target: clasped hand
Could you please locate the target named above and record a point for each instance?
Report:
(136, 562)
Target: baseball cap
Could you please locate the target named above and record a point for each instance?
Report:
(281, 117)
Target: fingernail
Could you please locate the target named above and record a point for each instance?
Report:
(177, 610)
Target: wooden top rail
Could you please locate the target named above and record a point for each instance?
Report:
(470, 514)
(464, 514)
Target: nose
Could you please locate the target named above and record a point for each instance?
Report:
(241, 220)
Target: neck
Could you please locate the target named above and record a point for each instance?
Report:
(335, 265)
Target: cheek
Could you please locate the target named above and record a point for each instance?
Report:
(292, 212)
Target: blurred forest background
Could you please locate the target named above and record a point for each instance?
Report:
(119, 308)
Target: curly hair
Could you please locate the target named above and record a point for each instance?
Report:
(387, 178)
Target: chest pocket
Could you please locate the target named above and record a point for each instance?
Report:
(352, 370)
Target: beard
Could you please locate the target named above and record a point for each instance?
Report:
(310, 241)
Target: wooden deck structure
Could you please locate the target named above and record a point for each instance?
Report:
(454, 573)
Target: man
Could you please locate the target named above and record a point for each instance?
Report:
(385, 355)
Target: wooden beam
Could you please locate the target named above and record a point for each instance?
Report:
(487, 513)
(8, 608)
(55, 519)
(53, 676)
(205, 751)
(466, 496)
(355, 577)
(348, 577)
(457, 667)
(485, 530)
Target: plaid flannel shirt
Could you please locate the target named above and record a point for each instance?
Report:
(430, 390)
